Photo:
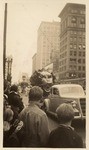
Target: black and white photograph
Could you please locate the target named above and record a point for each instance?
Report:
(43, 81)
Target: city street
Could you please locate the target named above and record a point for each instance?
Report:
(53, 123)
(44, 51)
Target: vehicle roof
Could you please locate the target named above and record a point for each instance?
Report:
(66, 85)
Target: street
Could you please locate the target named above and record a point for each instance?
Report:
(53, 123)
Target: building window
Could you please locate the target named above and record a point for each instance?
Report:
(75, 53)
(83, 68)
(75, 46)
(80, 39)
(72, 59)
(70, 67)
(84, 39)
(80, 32)
(73, 20)
(80, 53)
(80, 46)
(79, 61)
(79, 68)
(83, 75)
(82, 20)
(83, 53)
(74, 11)
(84, 61)
(79, 75)
(82, 11)
(82, 23)
(83, 46)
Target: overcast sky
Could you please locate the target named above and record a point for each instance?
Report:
(23, 21)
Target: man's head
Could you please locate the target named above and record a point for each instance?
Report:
(35, 93)
(14, 88)
(65, 113)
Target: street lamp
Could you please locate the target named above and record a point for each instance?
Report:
(9, 67)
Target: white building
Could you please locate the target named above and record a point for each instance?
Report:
(48, 41)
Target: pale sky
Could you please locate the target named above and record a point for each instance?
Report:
(23, 21)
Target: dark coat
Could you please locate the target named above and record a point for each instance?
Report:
(12, 138)
(64, 137)
(15, 100)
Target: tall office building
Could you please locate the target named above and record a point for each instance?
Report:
(47, 42)
(72, 41)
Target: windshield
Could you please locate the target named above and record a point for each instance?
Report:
(72, 91)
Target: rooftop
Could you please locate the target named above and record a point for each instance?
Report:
(73, 5)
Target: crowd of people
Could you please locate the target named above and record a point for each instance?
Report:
(29, 127)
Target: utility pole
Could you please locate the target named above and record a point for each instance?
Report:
(4, 40)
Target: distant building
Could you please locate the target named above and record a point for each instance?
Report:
(48, 42)
(72, 41)
(34, 58)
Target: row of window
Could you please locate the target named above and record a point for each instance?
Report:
(81, 68)
(63, 62)
(73, 22)
(77, 32)
(75, 53)
(62, 69)
(80, 46)
(77, 61)
(79, 11)
(73, 39)
(79, 75)
(72, 67)
(79, 39)
(75, 36)
(75, 25)
(73, 46)
(81, 61)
